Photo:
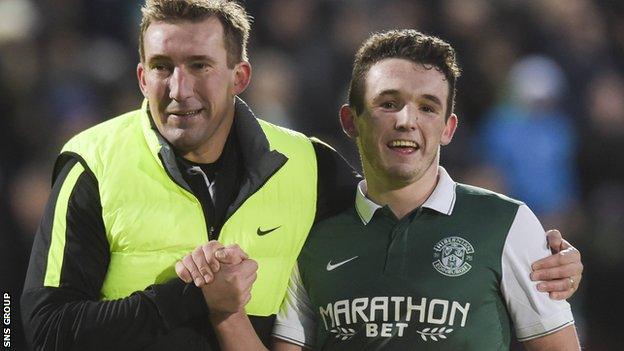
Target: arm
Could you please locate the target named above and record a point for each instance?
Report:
(563, 340)
(236, 333)
(231, 324)
(534, 315)
(294, 326)
(560, 272)
(226, 276)
(61, 303)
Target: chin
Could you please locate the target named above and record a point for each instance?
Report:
(404, 176)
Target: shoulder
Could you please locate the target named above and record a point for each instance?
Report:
(485, 196)
(340, 222)
(278, 133)
(111, 129)
(101, 141)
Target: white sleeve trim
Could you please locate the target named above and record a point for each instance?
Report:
(296, 321)
(534, 313)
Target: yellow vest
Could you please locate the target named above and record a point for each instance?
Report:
(151, 221)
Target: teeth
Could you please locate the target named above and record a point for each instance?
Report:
(186, 113)
(403, 143)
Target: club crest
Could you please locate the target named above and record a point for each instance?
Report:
(452, 256)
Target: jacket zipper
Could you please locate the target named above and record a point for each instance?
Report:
(194, 170)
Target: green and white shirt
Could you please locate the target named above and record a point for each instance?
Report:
(451, 275)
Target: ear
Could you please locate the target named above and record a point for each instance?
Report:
(449, 129)
(242, 77)
(347, 121)
(142, 79)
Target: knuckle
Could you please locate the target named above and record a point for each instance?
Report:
(187, 261)
(214, 244)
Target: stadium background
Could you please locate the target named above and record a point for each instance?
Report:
(541, 107)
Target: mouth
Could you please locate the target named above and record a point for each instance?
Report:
(403, 146)
(185, 113)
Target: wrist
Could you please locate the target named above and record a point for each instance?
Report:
(218, 318)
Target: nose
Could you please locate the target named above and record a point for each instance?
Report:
(180, 85)
(406, 118)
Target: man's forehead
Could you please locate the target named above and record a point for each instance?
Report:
(401, 76)
(198, 32)
(184, 34)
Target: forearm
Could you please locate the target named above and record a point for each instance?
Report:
(62, 319)
(562, 340)
(235, 333)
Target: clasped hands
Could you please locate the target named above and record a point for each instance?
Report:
(225, 274)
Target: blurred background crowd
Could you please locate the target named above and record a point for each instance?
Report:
(540, 102)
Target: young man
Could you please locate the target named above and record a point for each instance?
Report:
(418, 261)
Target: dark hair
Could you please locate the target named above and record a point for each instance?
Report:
(233, 17)
(430, 51)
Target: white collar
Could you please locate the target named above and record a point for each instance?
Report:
(442, 199)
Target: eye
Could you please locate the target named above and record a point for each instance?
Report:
(428, 109)
(160, 67)
(388, 105)
(199, 65)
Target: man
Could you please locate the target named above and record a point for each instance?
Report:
(419, 261)
(133, 195)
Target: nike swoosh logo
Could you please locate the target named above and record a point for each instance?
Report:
(331, 267)
(265, 232)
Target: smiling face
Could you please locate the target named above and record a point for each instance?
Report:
(189, 86)
(403, 123)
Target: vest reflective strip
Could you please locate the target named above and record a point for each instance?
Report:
(59, 226)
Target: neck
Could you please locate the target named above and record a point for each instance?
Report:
(211, 150)
(405, 198)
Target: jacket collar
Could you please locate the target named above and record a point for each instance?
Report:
(259, 161)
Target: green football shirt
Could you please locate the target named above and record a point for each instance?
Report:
(451, 275)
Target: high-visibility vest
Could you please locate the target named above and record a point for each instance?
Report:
(151, 221)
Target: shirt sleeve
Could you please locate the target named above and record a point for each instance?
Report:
(61, 303)
(296, 321)
(533, 313)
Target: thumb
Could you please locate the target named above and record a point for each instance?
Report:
(231, 255)
(555, 241)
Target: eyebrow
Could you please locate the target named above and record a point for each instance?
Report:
(384, 93)
(388, 92)
(190, 58)
(395, 92)
(200, 58)
(433, 99)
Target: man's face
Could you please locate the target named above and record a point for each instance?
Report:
(400, 131)
(189, 86)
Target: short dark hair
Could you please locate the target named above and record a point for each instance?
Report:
(235, 20)
(407, 44)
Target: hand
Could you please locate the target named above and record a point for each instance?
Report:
(200, 265)
(560, 273)
(230, 289)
